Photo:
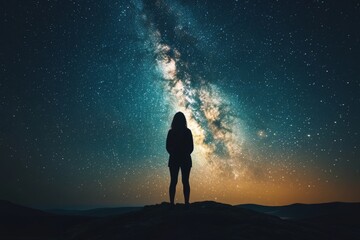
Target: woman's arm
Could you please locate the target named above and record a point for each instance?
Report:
(169, 143)
(190, 142)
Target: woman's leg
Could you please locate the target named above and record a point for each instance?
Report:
(185, 174)
(174, 172)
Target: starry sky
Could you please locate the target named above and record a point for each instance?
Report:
(270, 90)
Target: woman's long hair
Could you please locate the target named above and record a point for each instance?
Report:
(179, 121)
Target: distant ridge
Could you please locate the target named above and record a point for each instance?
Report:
(96, 212)
(9, 209)
(19, 222)
(305, 211)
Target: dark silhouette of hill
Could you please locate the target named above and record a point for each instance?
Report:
(19, 222)
(201, 220)
(340, 220)
(9, 209)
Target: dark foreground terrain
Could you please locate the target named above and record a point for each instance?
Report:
(202, 220)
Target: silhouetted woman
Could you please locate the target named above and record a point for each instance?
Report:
(179, 144)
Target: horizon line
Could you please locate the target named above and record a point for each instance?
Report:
(88, 207)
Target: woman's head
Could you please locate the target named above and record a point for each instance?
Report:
(179, 121)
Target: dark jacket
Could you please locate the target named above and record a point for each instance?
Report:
(179, 144)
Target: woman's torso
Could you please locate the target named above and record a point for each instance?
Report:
(180, 146)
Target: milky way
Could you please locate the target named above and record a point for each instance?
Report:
(216, 128)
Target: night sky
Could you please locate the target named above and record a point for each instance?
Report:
(88, 90)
